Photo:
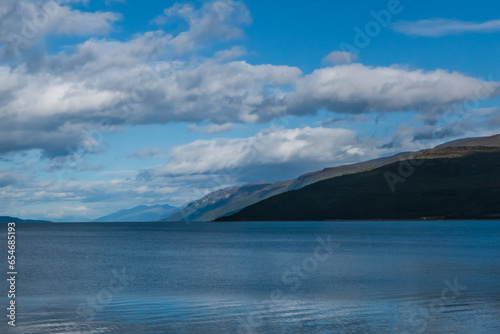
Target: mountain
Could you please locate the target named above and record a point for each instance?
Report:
(456, 180)
(230, 200)
(7, 219)
(141, 213)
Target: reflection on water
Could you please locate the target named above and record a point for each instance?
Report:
(353, 277)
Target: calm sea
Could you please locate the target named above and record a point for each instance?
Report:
(336, 277)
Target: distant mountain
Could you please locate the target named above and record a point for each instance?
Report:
(141, 213)
(7, 219)
(230, 200)
(456, 180)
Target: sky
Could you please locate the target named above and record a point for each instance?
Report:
(106, 105)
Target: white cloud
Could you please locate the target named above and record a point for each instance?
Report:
(321, 147)
(104, 57)
(340, 57)
(50, 107)
(77, 23)
(23, 23)
(221, 19)
(441, 27)
(233, 53)
(356, 88)
(77, 200)
(51, 104)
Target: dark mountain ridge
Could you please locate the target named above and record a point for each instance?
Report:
(230, 200)
(457, 180)
(227, 201)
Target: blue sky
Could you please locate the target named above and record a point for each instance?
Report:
(111, 104)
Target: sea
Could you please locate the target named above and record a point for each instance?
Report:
(254, 277)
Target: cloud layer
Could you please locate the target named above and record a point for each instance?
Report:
(356, 88)
(221, 19)
(302, 147)
(52, 102)
(24, 23)
(54, 105)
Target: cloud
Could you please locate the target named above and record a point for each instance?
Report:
(356, 88)
(53, 103)
(413, 137)
(212, 128)
(52, 199)
(8, 178)
(221, 19)
(340, 57)
(23, 23)
(53, 107)
(233, 53)
(492, 116)
(438, 132)
(104, 57)
(57, 166)
(76, 23)
(50, 104)
(441, 27)
(57, 104)
(294, 148)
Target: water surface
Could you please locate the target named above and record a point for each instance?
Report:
(307, 277)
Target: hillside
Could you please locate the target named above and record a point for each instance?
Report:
(453, 181)
(226, 201)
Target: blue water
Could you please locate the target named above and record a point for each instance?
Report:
(328, 277)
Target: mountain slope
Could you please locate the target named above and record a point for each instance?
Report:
(226, 201)
(449, 182)
(141, 213)
(230, 200)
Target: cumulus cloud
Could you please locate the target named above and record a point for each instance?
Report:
(233, 53)
(441, 27)
(221, 19)
(306, 146)
(59, 102)
(356, 88)
(25, 22)
(340, 57)
(51, 109)
(54, 105)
